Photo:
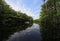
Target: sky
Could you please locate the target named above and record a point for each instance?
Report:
(30, 7)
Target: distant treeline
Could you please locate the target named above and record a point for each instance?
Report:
(12, 21)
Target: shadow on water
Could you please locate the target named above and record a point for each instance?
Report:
(30, 34)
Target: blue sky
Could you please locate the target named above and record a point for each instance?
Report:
(30, 7)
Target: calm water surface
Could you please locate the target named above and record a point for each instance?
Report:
(30, 34)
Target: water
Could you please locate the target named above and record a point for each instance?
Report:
(30, 34)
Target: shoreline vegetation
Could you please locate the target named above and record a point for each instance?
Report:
(49, 20)
(12, 21)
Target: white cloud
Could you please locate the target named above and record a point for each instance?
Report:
(20, 6)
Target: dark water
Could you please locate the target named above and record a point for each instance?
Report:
(30, 34)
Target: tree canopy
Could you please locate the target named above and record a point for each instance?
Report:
(12, 21)
(50, 20)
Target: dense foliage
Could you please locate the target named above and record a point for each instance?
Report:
(50, 20)
(36, 21)
(12, 21)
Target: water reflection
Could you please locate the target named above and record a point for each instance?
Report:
(30, 34)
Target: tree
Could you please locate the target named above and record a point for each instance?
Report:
(11, 21)
(36, 21)
(50, 20)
